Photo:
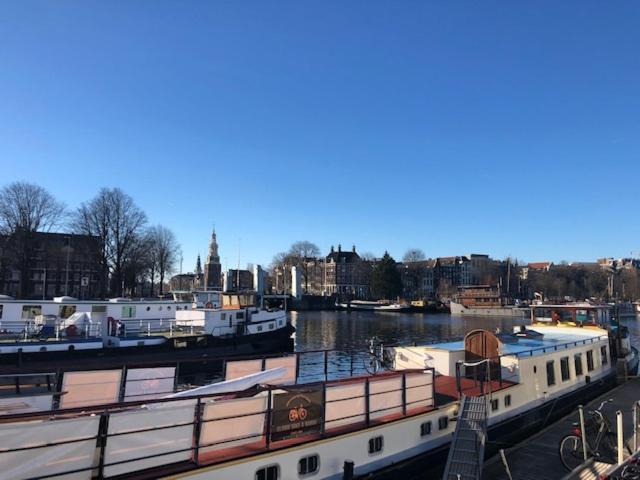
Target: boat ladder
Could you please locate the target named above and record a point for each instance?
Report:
(466, 453)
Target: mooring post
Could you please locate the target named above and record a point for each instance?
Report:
(635, 427)
(620, 434)
(583, 433)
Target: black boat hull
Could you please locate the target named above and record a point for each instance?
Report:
(193, 353)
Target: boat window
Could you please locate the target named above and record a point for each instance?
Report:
(65, 311)
(603, 353)
(160, 308)
(577, 359)
(494, 404)
(272, 472)
(128, 311)
(425, 429)
(98, 309)
(581, 316)
(590, 360)
(308, 465)
(259, 328)
(443, 422)
(375, 445)
(507, 400)
(564, 368)
(240, 315)
(542, 314)
(562, 315)
(551, 374)
(148, 308)
(31, 311)
(1, 306)
(223, 316)
(271, 326)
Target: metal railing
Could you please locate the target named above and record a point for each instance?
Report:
(265, 438)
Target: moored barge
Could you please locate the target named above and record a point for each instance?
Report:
(401, 417)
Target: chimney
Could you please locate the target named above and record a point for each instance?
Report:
(353, 249)
(339, 247)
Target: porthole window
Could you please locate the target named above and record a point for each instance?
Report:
(425, 429)
(375, 445)
(443, 422)
(272, 472)
(308, 465)
(494, 404)
(535, 369)
(160, 308)
(507, 400)
(148, 308)
(259, 328)
(169, 307)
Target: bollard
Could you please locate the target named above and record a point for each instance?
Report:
(583, 432)
(635, 427)
(620, 434)
(348, 470)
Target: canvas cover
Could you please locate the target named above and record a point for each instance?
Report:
(50, 459)
(95, 387)
(171, 444)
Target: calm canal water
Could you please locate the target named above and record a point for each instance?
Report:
(350, 331)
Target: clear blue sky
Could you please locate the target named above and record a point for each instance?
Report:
(508, 128)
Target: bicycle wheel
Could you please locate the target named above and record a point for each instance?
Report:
(571, 453)
(371, 364)
(608, 448)
(630, 472)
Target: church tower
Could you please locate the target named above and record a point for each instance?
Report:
(213, 269)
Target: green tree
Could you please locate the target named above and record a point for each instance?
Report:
(385, 278)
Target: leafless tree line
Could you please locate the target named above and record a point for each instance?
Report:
(128, 251)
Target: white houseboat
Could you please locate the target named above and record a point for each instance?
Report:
(401, 418)
(105, 334)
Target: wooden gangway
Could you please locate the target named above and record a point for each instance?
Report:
(466, 454)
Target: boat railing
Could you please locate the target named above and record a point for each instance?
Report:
(182, 433)
(494, 373)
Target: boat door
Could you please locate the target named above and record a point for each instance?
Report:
(482, 345)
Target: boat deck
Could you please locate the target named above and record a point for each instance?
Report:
(446, 391)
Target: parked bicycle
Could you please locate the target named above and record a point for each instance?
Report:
(601, 439)
(377, 359)
(631, 471)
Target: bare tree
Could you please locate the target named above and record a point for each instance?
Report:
(302, 252)
(117, 221)
(413, 255)
(281, 263)
(164, 250)
(26, 208)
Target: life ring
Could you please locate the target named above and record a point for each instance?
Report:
(113, 326)
(72, 331)
(208, 305)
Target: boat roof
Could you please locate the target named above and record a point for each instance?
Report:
(553, 337)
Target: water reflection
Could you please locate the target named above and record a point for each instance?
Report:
(351, 331)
